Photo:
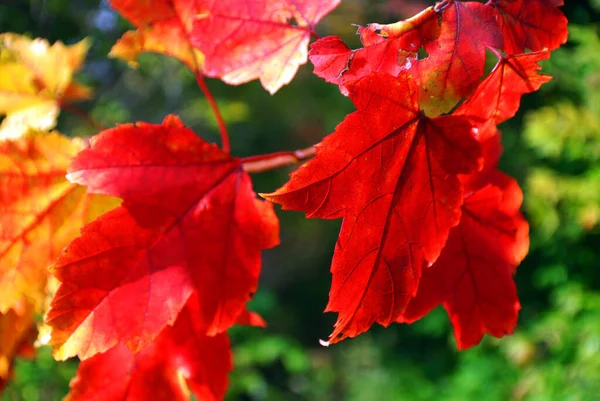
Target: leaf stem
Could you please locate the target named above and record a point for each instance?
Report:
(441, 6)
(84, 115)
(400, 28)
(215, 109)
(496, 52)
(270, 161)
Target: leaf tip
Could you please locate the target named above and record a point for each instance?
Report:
(267, 196)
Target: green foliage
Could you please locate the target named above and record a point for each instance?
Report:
(40, 379)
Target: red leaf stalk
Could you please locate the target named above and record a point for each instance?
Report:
(215, 109)
(400, 28)
(270, 161)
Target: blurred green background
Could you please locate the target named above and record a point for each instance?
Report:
(552, 147)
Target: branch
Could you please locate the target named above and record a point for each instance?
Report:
(260, 163)
(215, 109)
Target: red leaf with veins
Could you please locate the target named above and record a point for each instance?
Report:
(264, 39)
(498, 97)
(189, 221)
(180, 359)
(473, 276)
(391, 173)
(531, 24)
(456, 58)
(389, 51)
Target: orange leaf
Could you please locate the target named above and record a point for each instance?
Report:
(40, 213)
(163, 27)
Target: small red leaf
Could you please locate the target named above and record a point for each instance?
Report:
(391, 50)
(337, 64)
(473, 276)
(180, 359)
(498, 97)
(531, 24)
(331, 58)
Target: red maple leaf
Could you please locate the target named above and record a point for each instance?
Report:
(265, 39)
(473, 275)
(531, 24)
(498, 97)
(189, 223)
(180, 359)
(456, 58)
(391, 173)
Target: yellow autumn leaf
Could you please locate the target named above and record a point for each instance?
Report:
(40, 213)
(35, 79)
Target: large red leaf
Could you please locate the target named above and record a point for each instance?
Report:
(391, 173)
(189, 221)
(265, 39)
(531, 24)
(473, 276)
(180, 359)
(163, 26)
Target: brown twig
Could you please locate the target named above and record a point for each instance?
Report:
(84, 115)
